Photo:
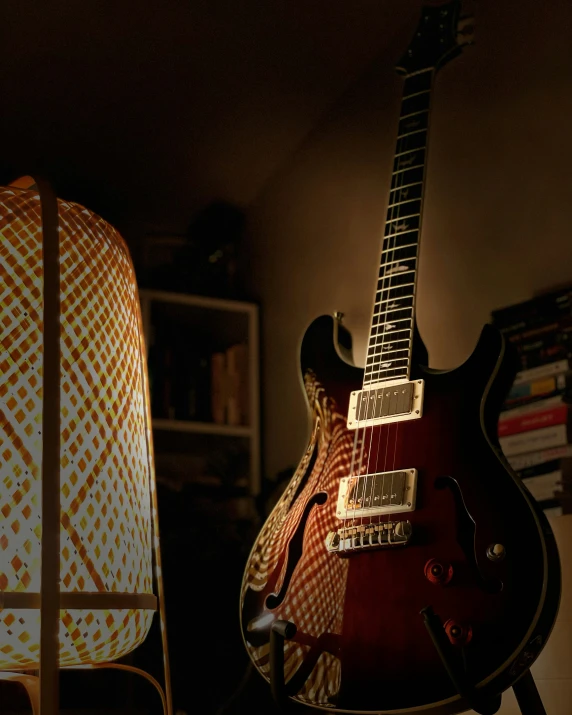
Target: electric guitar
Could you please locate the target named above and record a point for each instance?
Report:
(405, 566)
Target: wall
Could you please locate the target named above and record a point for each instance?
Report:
(496, 223)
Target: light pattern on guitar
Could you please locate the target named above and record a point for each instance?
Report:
(315, 597)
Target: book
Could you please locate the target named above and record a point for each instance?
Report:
(545, 355)
(544, 387)
(545, 486)
(237, 376)
(541, 371)
(556, 415)
(218, 387)
(543, 468)
(535, 405)
(540, 331)
(561, 336)
(541, 307)
(538, 439)
(539, 456)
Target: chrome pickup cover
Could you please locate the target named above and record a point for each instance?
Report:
(381, 493)
(386, 402)
(369, 536)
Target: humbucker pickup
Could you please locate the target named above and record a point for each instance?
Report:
(386, 402)
(381, 493)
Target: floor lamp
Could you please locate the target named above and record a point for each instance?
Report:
(80, 565)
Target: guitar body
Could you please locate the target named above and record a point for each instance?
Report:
(361, 644)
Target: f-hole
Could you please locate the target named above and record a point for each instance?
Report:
(295, 551)
(466, 534)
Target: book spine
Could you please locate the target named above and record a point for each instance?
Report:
(534, 406)
(539, 469)
(232, 373)
(535, 388)
(540, 456)
(218, 396)
(544, 487)
(243, 384)
(540, 330)
(542, 307)
(541, 371)
(534, 440)
(535, 420)
(545, 355)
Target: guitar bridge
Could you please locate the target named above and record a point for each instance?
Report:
(369, 536)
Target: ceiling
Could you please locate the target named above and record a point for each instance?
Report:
(148, 111)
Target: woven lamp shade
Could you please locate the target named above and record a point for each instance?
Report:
(107, 498)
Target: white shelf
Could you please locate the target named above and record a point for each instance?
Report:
(198, 301)
(228, 321)
(201, 427)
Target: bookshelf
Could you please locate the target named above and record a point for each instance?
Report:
(535, 424)
(182, 333)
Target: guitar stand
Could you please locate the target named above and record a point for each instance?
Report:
(525, 690)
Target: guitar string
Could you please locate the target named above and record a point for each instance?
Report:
(389, 244)
(359, 500)
(426, 111)
(392, 216)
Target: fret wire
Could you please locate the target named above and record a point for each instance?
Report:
(375, 377)
(406, 201)
(406, 186)
(415, 94)
(395, 285)
(383, 358)
(374, 354)
(407, 168)
(399, 273)
(387, 367)
(379, 371)
(409, 151)
(379, 290)
(398, 248)
(401, 233)
(382, 355)
(393, 297)
(402, 218)
(408, 134)
(384, 335)
(412, 114)
(380, 315)
(392, 322)
(398, 260)
(395, 310)
(399, 297)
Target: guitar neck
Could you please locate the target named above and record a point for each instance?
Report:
(391, 335)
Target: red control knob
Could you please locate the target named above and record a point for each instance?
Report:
(458, 633)
(438, 572)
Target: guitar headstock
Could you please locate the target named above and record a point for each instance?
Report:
(440, 35)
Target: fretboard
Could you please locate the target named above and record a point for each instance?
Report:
(390, 340)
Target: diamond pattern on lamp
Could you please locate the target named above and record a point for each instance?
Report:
(106, 458)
